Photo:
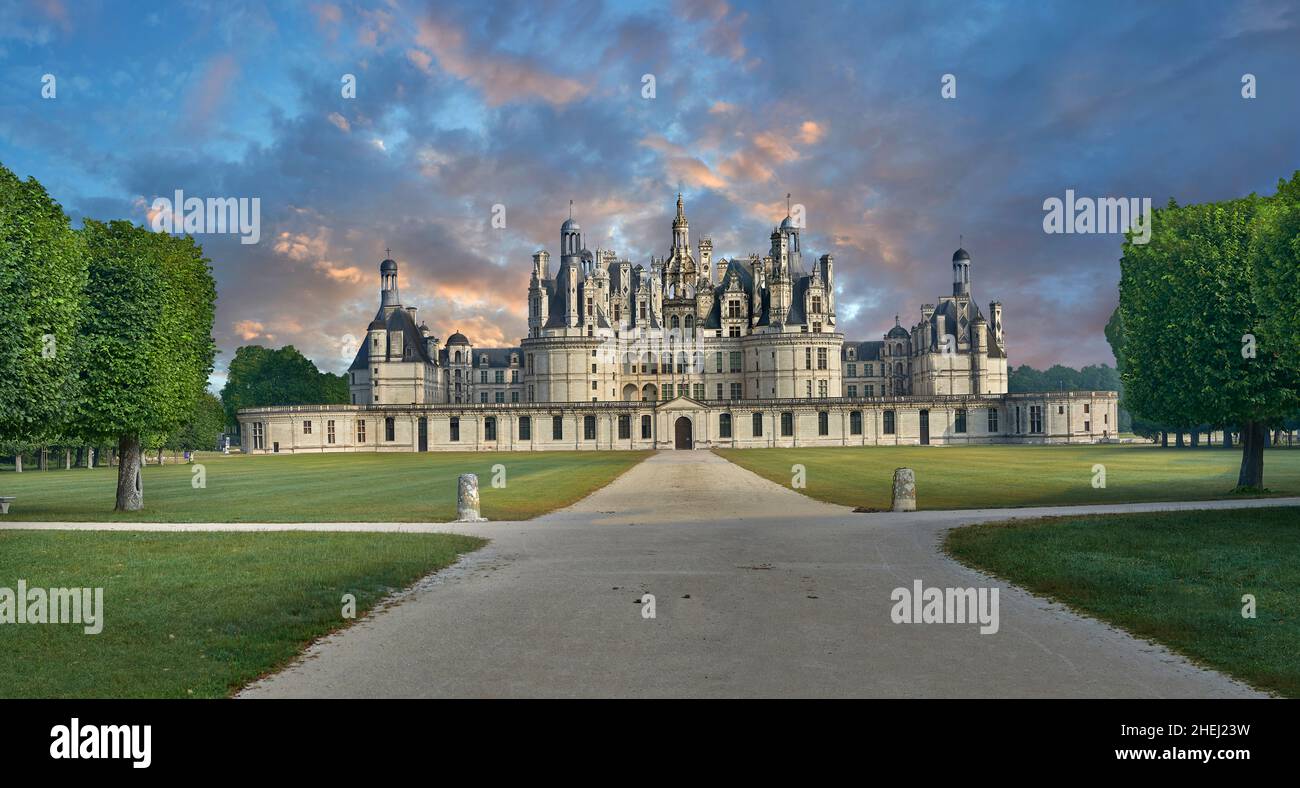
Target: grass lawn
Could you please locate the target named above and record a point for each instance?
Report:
(195, 614)
(1173, 577)
(975, 477)
(366, 486)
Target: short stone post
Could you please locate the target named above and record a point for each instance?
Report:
(904, 499)
(467, 499)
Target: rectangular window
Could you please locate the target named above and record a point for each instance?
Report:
(259, 437)
(821, 358)
(589, 428)
(1087, 426)
(821, 389)
(724, 425)
(889, 422)
(855, 422)
(306, 428)
(1035, 418)
(853, 370)
(736, 362)
(1085, 407)
(514, 396)
(717, 358)
(361, 430)
(455, 428)
(719, 390)
(557, 428)
(390, 429)
(807, 358)
(993, 419)
(668, 391)
(787, 424)
(758, 425)
(823, 423)
(853, 391)
(525, 428)
(624, 427)
(482, 376)
(645, 428)
(733, 331)
(329, 431)
(500, 397)
(699, 391)
(959, 421)
(482, 397)
(869, 371)
(870, 391)
(735, 391)
(490, 428)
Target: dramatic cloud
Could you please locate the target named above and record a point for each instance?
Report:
(464, 111)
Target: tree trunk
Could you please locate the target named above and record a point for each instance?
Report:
(1227, 438)
(90, 456)
(130, 487)
(42, 459)
(160, 456)
(1196, 439)
(1179, 443)
(1253, 437)
(18, 462)
(1164, 439)
(67, 459)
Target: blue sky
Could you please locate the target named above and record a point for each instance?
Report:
(461, 106)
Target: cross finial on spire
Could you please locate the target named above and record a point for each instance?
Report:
(570, 209)
(388, 253)
(787, 203)
(961, 241)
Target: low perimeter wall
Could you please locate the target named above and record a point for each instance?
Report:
(1051, 417)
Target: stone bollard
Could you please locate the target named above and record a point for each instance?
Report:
(467, 499)
(904, 490)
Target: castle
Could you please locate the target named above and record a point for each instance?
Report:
(679, 348)
(602, 329)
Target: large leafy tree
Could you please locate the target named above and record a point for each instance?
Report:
(42, 301)
(148, 341)
(1275, 255)
(261, 376)
(1186, 304)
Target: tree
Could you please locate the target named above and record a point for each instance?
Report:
(260, 377)
(1186, 306)
(148, 341)
(1275, 257)
(42, 301)
(205, 424)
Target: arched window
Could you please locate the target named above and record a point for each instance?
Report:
(458, 357)
(675, 323)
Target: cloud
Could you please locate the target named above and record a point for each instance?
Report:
(502, 77)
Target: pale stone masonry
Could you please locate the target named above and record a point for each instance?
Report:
(689, 352)
(1057, 417)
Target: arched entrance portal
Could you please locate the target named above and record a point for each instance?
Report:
(682, 432)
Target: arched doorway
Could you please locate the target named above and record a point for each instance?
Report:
(682, 433)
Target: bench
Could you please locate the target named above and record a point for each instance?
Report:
(5, 500)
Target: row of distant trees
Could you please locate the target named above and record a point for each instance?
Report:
(1207, 332)
(105, 332)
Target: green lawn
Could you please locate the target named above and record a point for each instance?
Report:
(1173, 577)
(973, 477)
(366, 486)
(195, 614)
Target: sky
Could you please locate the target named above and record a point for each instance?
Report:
(466, 110)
